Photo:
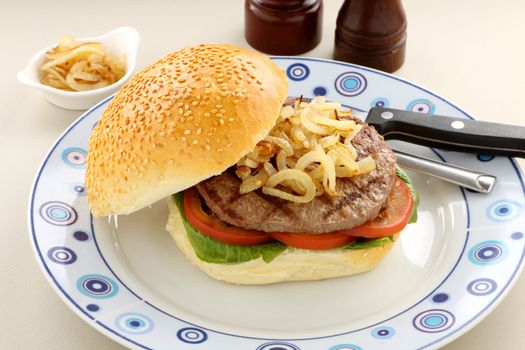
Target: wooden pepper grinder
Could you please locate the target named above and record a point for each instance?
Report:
(371, 33)
(283, 27)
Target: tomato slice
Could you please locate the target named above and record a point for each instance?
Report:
(393, 218)
(322, 241)
(215, 228)
(390, 221)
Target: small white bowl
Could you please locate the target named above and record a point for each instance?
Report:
(123, 41)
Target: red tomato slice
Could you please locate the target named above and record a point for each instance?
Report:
(390, 221)
(215, 228)
(393, 218)
(320, 241)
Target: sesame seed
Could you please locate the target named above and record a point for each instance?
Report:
(187, 132)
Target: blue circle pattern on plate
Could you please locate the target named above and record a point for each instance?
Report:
(58, 213)
(346, 347)
(516, 235)
(74, 157)
(350, 84)
(93, 307)
(434, 321)
(504, 210)
(134, 323)
(97, 286)
(383, 332)
(483, 157)
(78, 189)
(81, 236)
(278, 346)
(62, 255)
(482, 286)
(320, 91)
(421, 105)
(192, 335)
(298, 71)
(380, 102)
(440, 298)
(488, 252)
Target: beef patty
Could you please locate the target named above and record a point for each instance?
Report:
(361, 197)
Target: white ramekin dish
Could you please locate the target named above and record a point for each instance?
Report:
(123, 41)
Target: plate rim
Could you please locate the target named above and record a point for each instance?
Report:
(123, 340)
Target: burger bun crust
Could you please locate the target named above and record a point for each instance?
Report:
(183, 119)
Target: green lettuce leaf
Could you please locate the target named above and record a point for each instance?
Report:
(365, 243)
(209, 250)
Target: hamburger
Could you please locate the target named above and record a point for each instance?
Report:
(261, 188)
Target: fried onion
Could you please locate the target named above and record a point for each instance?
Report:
(304, 154)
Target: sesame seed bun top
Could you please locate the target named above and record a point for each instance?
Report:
(183, 119)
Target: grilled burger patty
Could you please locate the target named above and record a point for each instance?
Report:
(361, 197)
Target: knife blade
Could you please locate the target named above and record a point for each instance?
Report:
(451, 133)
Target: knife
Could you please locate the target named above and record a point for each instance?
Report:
(476, 181)
(413, 127)
(449, 133)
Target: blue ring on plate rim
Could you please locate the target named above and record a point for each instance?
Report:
(81, 309)
(488, 252)
(192, 335)
(278, 346)
(75, 157)
(482, 286)
(293, 69)
(346, 347)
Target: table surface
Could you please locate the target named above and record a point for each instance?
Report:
(471, 52)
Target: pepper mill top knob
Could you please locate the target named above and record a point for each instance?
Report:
(371, 33)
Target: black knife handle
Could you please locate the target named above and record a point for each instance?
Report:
(464, 135)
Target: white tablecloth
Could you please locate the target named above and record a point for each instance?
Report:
(472, 52)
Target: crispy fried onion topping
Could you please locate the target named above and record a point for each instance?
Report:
(304, 154)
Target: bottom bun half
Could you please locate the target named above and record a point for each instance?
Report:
(292, 265)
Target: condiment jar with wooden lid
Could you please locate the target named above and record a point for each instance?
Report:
(283, 27)
(371, 33)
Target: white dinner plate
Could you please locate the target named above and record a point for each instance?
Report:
(444, 275)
